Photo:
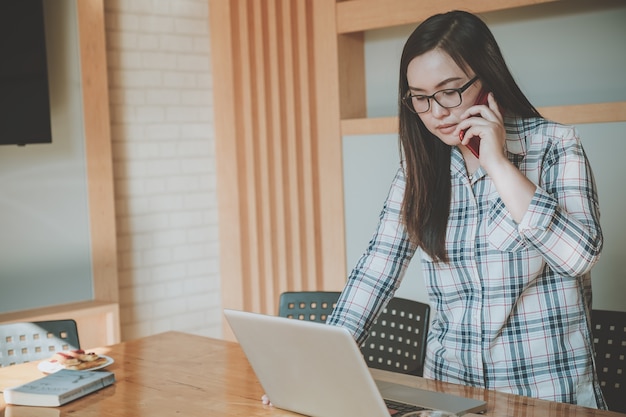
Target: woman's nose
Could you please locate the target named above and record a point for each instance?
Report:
(437, 110)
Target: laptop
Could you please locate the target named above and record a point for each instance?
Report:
(318, 370)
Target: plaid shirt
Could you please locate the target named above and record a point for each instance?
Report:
(510, 311)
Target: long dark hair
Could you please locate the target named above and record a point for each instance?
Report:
(470, 43)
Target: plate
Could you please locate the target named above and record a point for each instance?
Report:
(49, 367)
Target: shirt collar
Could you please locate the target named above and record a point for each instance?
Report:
(515, 142)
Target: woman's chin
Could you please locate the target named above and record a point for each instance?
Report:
(450, 140)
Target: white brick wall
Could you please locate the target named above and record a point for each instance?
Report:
(160, 90)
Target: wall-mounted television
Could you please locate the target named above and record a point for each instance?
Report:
(24, 94)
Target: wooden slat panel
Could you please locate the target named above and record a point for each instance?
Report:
(361, 15)
(268, 131)
(571, 115)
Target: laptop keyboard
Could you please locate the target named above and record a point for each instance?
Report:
(398, 409)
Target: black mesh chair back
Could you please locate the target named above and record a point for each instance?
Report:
(30, 341)
(397, 339)
(307, 305)
(609, 340)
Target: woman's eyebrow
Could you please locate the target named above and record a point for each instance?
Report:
(439, 85)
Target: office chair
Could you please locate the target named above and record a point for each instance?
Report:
(307, 305)
(609, 341)
(30, 341)
(397, 339)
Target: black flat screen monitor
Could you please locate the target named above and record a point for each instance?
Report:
(24, 95)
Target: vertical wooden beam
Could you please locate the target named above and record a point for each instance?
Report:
(227, 110)
(309, 212)
(246, 96)
(96, 121)
(351, 59)
(327, 131)
(290, 162)
(275, 83)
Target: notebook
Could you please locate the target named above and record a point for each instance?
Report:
(318, 370)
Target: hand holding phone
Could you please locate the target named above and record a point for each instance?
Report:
(474, 142)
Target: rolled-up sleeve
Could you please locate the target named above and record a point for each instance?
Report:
(563, 218)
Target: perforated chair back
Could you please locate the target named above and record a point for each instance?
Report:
(30, 341)
(609, 340)
(307, 305)
(397, 339)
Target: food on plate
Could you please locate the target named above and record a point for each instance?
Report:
(78, 360)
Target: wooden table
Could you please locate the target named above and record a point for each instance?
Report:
(178, 374)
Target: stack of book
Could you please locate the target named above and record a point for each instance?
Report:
(58, 388)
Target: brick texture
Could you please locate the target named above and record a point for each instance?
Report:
(160, 87)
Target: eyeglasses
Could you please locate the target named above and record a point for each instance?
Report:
(448, 98)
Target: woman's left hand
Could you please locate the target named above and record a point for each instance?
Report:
(486, 122)
(515, 190)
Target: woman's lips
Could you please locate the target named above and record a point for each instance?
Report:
(447, 129)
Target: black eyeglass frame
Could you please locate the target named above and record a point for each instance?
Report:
(407, 100)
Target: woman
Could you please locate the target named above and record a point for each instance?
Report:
(506, 239)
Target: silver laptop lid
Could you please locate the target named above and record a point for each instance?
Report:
(304, 372)
(318, 370)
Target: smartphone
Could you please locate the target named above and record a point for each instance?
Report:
(474, 142)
